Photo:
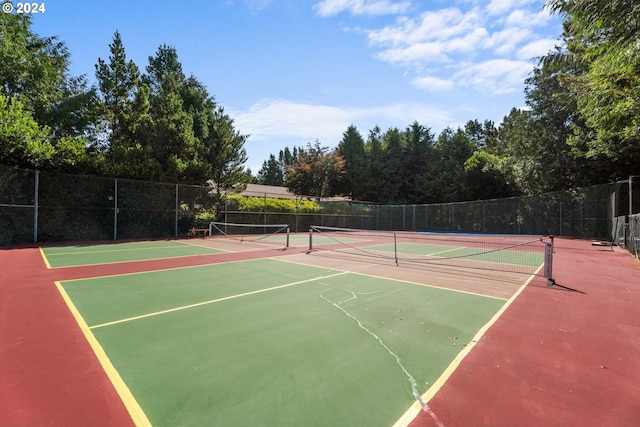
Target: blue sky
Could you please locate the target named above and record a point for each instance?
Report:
(291, 72)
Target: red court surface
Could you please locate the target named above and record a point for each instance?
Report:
(554, 358)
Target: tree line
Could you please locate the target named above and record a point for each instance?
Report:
(157, 125)
(581, 126)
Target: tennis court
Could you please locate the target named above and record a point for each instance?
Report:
(336, 328)
(297, 337)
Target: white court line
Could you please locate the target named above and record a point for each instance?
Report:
(456, 279)
(445, 251)
(184, 307)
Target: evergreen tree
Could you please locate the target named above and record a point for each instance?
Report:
(393, 173)
(224, 151)
(454, 148)
(287, 158)
(169, 134)
(124, 111)
(483, 135)
(420, 162)
(375, 175)
(351, 148)
(271, 172)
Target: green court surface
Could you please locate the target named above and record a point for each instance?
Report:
(269, 342)
(69, 256)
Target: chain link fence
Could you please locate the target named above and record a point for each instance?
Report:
(38, 206)
(632, 239)
(584, 212)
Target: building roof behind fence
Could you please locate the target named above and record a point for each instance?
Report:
(258, 190)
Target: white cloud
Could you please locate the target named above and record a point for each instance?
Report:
(465, 40)
(285, 118)
(294, 124)
(505, 42)
(433, 84)
(472, 41)
(537, 48)
(308, 122)
(495, 76)
(527, 18)
(432, 38)
(440, 25)
(361, 7)
(499, 7)
(417, 53)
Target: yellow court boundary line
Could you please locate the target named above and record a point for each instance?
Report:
(135, 411)
(44, 257)
(409, 416)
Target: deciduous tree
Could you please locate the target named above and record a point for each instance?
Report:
(604, 36)
(317, 171)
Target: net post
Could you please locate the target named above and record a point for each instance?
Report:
(548, 262)
(310, 239)
(210, 229)
(287, 244)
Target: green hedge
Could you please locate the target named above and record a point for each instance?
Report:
(269, 204)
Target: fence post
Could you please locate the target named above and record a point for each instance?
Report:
(404, 213)
(484, 217)
(225, 213)
(176, 210)
(630, 194)
(581, 218)
(426, 217)
(453, 216)
(560, 225)
(35, 205)
(414, 228)
(115, 210)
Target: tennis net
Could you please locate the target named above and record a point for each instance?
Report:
(272, 234)
(513, 253)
